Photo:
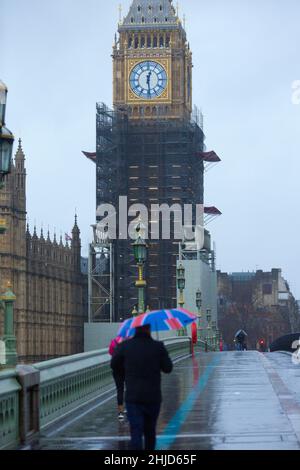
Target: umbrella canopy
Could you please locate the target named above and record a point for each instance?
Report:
(240, 333)
(159, 320)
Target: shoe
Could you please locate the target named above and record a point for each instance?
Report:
(121, 417)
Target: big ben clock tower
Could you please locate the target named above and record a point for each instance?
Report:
(148, 145)
(152, 62)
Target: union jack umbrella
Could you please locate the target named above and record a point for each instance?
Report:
(159, 320)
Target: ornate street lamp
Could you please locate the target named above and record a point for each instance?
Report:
(208, 318)
(134, 312)
(6, 137)
(181, 283)
(199, 299)
(214, 337)
(181, 287)
(140, 254)
(199, 305)
(218, 336)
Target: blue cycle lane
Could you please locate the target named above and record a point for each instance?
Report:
(184, 411)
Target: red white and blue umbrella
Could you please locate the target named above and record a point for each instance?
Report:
(159, 320)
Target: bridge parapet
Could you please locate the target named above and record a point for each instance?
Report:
(9, 410)
(70, 382)
(65, 384)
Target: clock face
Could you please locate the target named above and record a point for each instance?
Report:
(148, 80)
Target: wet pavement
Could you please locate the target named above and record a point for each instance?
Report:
(218, 401)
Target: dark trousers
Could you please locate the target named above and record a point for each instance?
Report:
(142, 420)
(119, 381)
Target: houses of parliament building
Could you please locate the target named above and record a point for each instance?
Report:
(45, 275)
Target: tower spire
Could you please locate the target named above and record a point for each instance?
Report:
(20, 156)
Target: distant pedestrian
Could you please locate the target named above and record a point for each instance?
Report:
(142, 359)
(119, 378)
(240, 341)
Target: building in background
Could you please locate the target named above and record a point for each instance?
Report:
(200, 275)
(150, 147)
(46, 278)
(260, 303)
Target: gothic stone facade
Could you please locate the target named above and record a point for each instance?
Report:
(45, 276)
(261, 303)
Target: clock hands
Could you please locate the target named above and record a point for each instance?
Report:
(148, 79)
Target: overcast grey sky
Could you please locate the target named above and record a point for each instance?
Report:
(56, 60)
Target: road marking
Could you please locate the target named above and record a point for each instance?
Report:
(171, 436)
(172, 429)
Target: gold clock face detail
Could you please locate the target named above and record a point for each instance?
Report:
(148, 80)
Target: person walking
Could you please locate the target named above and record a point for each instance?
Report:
(142, 360)
(119, 378)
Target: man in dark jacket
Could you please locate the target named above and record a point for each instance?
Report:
(142, 359)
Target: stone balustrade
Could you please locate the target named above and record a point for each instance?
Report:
(9, 409)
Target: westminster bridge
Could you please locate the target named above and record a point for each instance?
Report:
(215, 400)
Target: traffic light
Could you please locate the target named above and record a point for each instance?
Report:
(262, 345)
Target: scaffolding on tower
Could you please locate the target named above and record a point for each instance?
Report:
(100, 279)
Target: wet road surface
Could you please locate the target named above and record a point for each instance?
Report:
(218, 401)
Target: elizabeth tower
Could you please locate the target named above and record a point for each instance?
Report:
(148, 146)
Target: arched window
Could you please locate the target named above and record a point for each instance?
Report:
(139, 8)
(143, 19)
(161, 41)
(136, 42)
(143, 41)
(132, 19)
(168, 41)
(149, 41)
(155, 41)
(130, 42)
(155, 20)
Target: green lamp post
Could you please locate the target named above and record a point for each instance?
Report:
(181, 284)
(199, 305)
(140, 254)
(214, 338)
(135, 312)
(181, 287)
(218, 337)
(208, 318)
(9, 339)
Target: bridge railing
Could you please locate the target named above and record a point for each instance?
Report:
(64, 385)
(9, 409)
(204, 346)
